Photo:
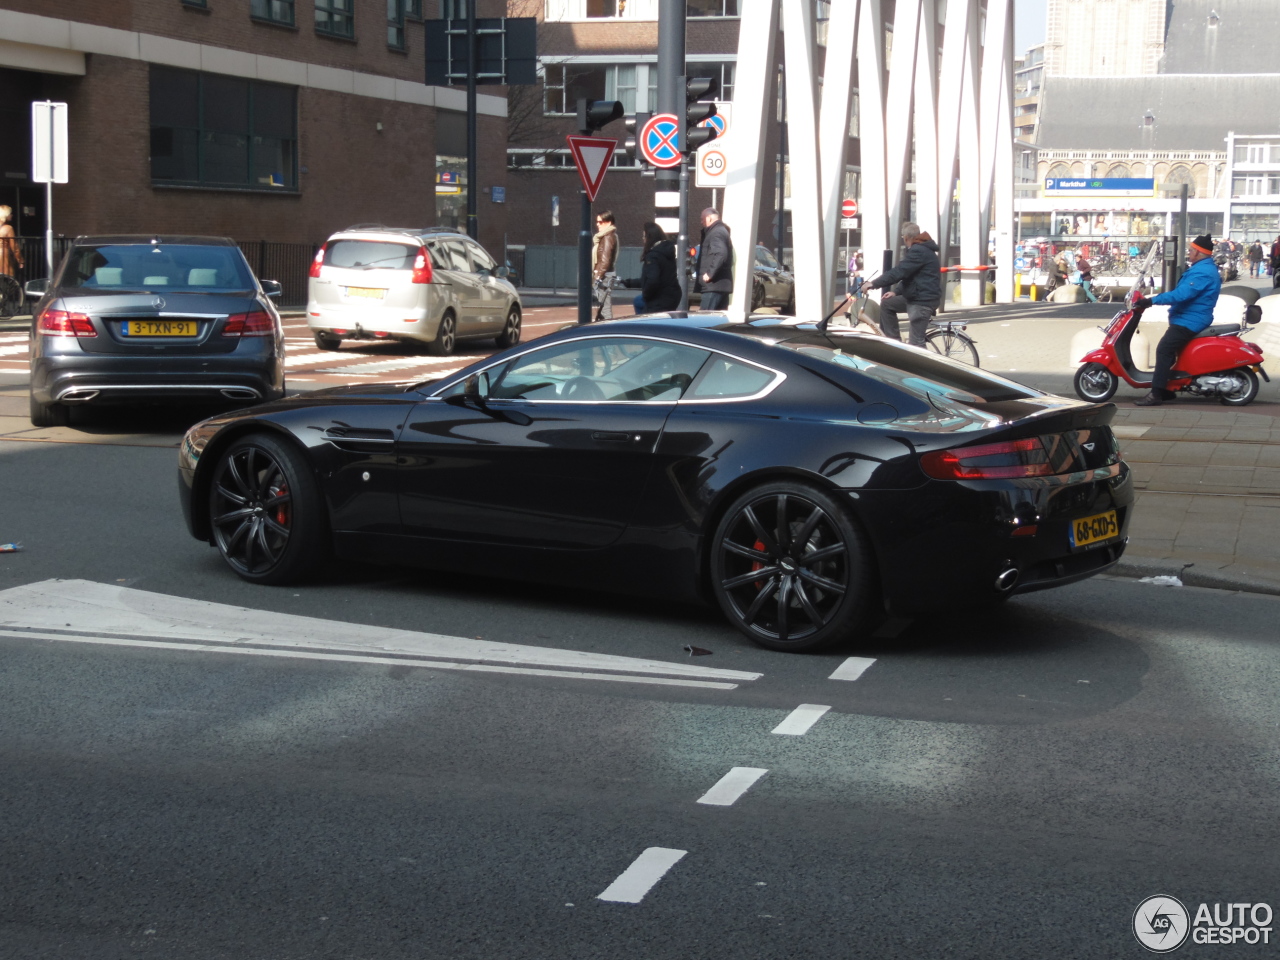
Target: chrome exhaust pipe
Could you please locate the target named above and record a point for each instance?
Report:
(1007, 580)
(239, 393)
(78, 396)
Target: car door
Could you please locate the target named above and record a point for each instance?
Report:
(555, 452)
(466, 286)
(493, 294)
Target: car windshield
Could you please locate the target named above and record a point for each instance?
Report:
(916, 371)
(185, 267)
(370, 255)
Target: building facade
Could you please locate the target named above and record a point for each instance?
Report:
(276, 120)
(1104, 38)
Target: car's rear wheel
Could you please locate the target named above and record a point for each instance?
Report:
(446, 337)
(49, 414)
(791, 568)
(510, 330)
(266, 511)
(327, 341)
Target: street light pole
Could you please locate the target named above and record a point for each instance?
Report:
(473, 175)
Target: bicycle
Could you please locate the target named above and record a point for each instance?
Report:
(948, 338)
(11, 296)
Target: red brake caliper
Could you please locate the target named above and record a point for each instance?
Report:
(282, 510)
(756, 564)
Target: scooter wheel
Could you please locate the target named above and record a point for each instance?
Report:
(1245, 391)
(1096, 383)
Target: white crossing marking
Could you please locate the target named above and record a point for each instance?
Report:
(639, 878)
(852, 668)
(16, 348)
(732, 786)
(801, 719)
(81, 611)
(397, 363)
(1128, 431)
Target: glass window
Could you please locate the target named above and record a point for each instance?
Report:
(370, 255)
(712, 8)
(457, 254)
(565, 84)
(480, 259)
(145, 266)
(222, 131)
(605, 8)
(413, 9)
(725, 378)
(764, 256)
(334, 17)
(277, 11)
(616, 369)
(395, 24)
(620, 84)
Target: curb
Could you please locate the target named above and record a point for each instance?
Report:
(1195, 575)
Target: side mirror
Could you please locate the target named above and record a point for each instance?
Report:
(475, 390)
(35, 289)
(502, 273)
(272, 288)
(1252, 313)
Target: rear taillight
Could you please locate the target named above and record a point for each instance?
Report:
(60, 323)
(256, 324)
(318, 262)
(422, 267)
(990, 461)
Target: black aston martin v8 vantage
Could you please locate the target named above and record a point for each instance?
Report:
(806, 481)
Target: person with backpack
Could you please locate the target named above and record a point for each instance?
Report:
(658, 283)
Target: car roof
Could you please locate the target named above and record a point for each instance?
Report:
(378, 229)
(140, 238)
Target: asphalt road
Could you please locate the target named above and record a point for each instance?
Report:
(1008, 785)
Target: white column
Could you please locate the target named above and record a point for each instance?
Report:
(833, 121)
(973, 241)
(872, 208)
(809, 260)
(993, 72)
(926, 123)
(902, 75)
(751, 108)
(961, 16)
(1002, 199)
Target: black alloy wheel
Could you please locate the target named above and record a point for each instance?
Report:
(446, 336)
(510, 335)
(791, 568)
(1095, 383)
(266, 512)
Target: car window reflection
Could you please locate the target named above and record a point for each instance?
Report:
(602, 369)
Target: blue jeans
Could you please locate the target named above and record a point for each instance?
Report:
(638, 304)
(714, 300)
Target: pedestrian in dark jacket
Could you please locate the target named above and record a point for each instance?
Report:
(1255, 260)
(659, 286)
(1275, 263)
(715, 261)
(920, 274)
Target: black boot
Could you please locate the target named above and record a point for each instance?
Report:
(1152, 399)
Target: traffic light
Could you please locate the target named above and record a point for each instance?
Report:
(697, 90)
(594, 114)
(631, 144)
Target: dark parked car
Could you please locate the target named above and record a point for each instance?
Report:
(806, 481)
(153, 318)
(772, 284)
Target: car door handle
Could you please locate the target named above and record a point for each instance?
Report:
(613, 437)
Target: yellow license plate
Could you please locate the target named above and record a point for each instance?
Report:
(159, 328)
(369, 293)
(1095, 529)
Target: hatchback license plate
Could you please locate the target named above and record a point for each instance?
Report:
(368, 293)
(1090, 530)
(159, 328)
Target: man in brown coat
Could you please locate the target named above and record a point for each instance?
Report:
(604, 255)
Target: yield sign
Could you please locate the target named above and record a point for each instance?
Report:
(660, 140)
(591, 155)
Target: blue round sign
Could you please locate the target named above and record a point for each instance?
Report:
(660, 141)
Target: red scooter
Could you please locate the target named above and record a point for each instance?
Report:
(1217, 363)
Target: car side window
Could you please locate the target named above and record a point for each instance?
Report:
(457, 255)
(726, 378)
(439, 259)
(480, 258)
(616, 369)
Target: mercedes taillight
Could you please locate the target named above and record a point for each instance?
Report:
(256, 324)
(61, 323)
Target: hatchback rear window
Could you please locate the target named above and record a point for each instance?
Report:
(916, 371)
(158, 266)
(370, 255)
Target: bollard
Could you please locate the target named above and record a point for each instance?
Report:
(1033, 293)
(1017, 286)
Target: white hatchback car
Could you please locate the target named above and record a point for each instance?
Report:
(431, 286)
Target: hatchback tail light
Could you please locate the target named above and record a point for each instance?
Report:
(422, 267)
(256, 324)
(318, 262)
(1012, 459)
(60, 323)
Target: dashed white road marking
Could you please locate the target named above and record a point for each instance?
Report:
(732, 786)
(1129, 431)
(16, 348)
(852, 668)
(639, 878)
(801, 719)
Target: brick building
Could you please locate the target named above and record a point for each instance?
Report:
(607, 50)
(277, 120)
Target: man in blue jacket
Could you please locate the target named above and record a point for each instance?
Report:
(1191, 305)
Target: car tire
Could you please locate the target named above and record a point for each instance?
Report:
(815, 589)
(757, 295)
(790, 309)
(266, 513)
(49, 414)
(327, 342)
(1095, 383)
(511, 330)
(446, 336)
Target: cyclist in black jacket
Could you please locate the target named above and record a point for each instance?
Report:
(920, 276)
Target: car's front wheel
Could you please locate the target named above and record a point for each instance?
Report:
(791, 568)
(446, 336)
(266, 512)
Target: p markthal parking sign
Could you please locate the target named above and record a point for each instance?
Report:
(1100, 187)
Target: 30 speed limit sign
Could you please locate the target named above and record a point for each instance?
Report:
(713, 167)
